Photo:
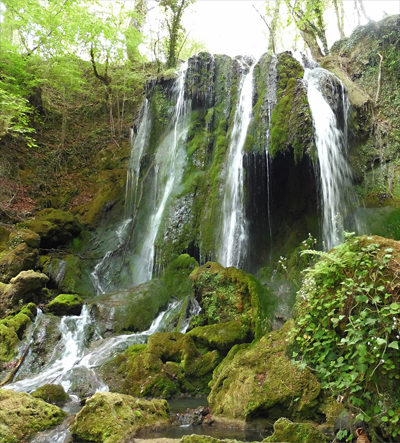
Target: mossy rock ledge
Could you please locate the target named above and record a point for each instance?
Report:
(287, 431)
(113, 418)
(169, 365)
(22, 416)
(50, 393)
(228, 294)
(66, 304)
(258, 381)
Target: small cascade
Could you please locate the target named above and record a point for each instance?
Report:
(75, 358)
(335, 176)
(168, 168)
(194, 309)
(234, 233)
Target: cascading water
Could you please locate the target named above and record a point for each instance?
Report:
(75, 352)
(169, 162)
(331, 139)
(233, 242)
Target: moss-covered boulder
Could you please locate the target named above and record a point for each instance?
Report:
(66, 304)
(170, 364)
(50, 393)
(22, 416)
(221, 336)
(54, 226)
(227, 294)
(176, 276)
(4, 236)
(32, 239)
(13, 261)
(12, 330)
(132, 309)
(70, 274)
(287, 431)
(113, 418)
(259, 381)
(26, 287)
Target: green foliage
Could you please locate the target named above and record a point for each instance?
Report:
(348, 325)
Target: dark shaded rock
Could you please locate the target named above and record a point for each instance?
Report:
(22, 258)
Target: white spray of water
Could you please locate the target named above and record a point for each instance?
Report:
(233, 242)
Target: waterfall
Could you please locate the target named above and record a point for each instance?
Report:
(169, 163)
(335, 176)
(234, 233)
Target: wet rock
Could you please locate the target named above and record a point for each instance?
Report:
(131, 309)
(113, 418)
(194, 417)
(22, 416)
(66, 304)
(84, 382)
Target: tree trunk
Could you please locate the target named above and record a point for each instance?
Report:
(339, 16)
(137, 22)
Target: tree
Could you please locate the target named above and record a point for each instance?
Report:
(136, 26)
(174, 10)
(273, 14)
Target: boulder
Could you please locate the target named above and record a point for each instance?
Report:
(176, 275)
(22, 416)
(259, 381)
(131, 309)
(113, 418)
(50, 393)
(55, 227)
(227, 294)
(65, 304)
(221, 336)
(12, 262)
(21, 235)
(168, 365)
(285, 430)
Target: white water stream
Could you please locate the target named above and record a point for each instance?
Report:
(334, 171)
(234, 231)
(75, 352)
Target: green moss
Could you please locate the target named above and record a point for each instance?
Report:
(22, 415)
(285, 430)
(259, 381)
(291, 121)
(112, 418)
(176, 276)
(227, 294)
(66, 304)
(50, 393)
(168, 365)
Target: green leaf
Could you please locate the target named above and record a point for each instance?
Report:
(384, 418)
(380, 341)
(394, 345)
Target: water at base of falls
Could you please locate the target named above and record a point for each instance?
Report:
(234, 232)
(335, 176)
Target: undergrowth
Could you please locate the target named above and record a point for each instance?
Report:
(348, 327)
